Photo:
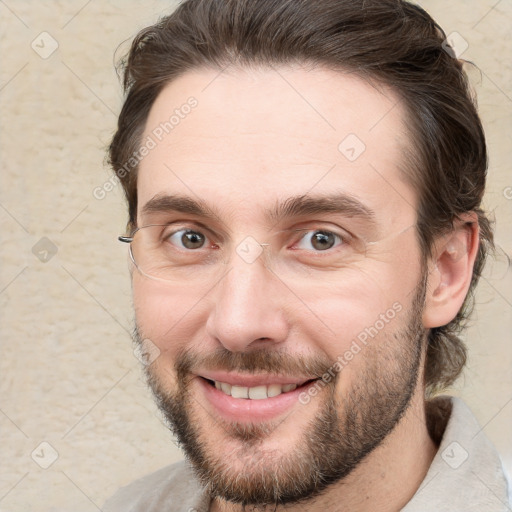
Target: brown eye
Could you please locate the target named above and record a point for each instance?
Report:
(188, 239)
(319, 240)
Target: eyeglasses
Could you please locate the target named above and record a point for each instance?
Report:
(180, 253)
(154, 255)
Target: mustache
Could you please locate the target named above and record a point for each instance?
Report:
(268, 361)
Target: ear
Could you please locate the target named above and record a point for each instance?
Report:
(450, 271)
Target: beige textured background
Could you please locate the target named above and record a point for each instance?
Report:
(69, 377)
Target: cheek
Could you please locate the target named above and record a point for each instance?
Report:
(167, 315)
(359, 306)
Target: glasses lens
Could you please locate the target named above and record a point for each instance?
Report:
(171, 253)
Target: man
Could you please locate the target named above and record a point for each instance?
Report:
(304, 182)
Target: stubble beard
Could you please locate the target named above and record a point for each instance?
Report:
(331, 446)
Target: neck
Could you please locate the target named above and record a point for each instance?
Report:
(385, 480)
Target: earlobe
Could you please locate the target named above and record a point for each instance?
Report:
(451, 270)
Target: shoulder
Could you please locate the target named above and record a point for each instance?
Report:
(174, 487)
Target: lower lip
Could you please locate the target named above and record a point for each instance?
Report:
(247, 410)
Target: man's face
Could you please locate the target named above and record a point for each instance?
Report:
(276, 157)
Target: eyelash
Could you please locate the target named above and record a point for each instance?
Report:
(341, 239)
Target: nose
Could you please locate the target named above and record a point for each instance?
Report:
(248, 308)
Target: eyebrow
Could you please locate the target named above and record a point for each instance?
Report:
(305, 205)
(182, 204)
(296, 206)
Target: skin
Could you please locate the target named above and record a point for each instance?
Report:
(258, 137)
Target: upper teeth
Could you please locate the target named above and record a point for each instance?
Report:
(256, 392)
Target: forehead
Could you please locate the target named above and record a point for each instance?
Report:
(243, 138)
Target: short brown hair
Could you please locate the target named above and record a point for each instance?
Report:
(391, 42)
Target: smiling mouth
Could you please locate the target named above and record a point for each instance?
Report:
(256, 392)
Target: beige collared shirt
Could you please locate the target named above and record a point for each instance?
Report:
(466, 475)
